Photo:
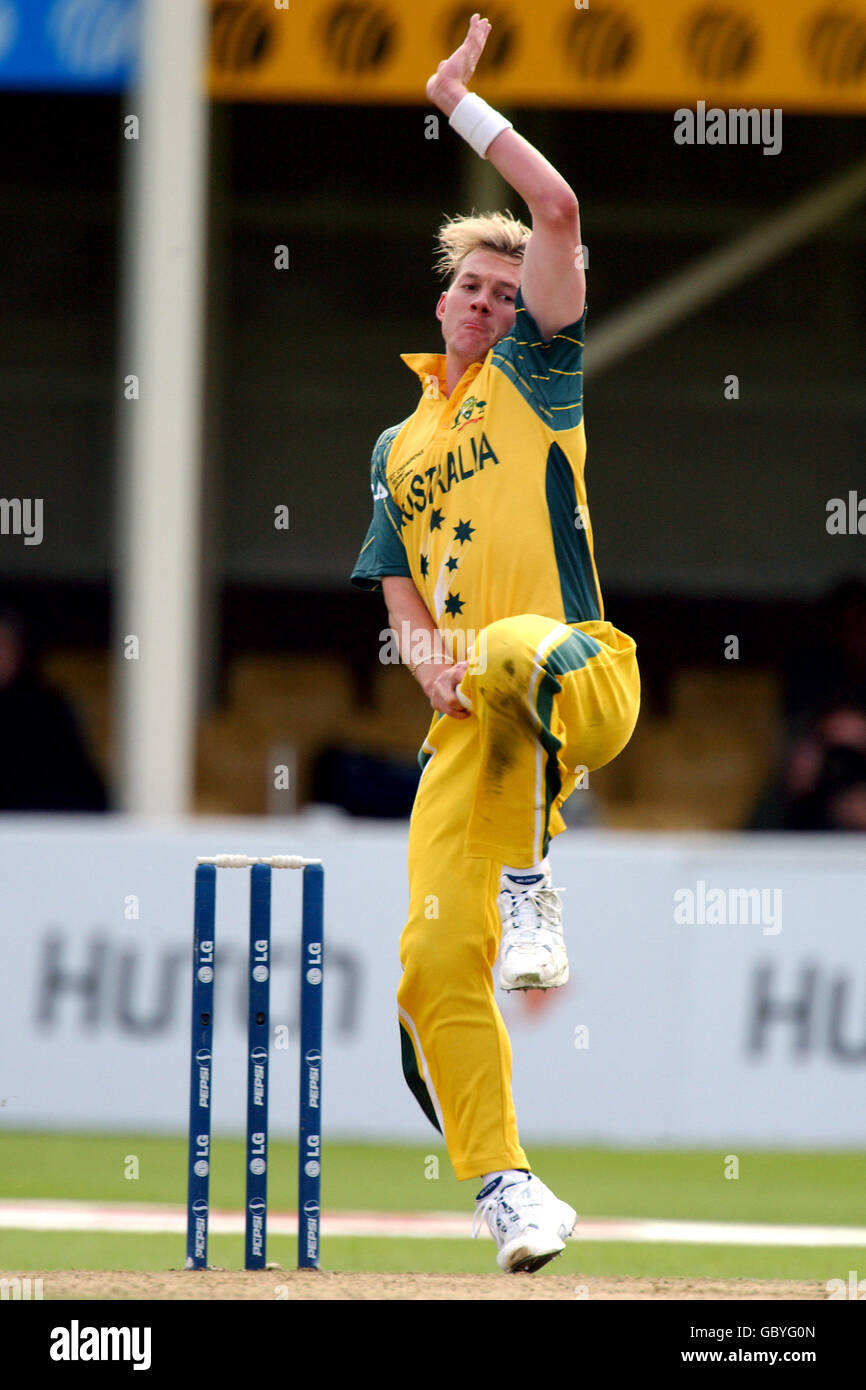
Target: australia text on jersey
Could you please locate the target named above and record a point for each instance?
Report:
(442, 476)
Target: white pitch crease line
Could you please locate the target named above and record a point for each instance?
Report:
(146, 1219)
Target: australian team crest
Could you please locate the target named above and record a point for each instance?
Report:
(467, 415)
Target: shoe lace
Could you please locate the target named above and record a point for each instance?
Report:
(481, 1212)
(526, 908)
(524, 1197)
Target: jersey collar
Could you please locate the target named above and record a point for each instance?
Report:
(427, 364)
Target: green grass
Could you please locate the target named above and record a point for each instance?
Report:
(684, 1185)
(772, 1187)
(27, 1250)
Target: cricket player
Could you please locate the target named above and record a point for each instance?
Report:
(482, 545)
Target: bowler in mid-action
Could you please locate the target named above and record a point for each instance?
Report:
(481, 528)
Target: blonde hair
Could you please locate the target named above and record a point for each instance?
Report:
(488, 231)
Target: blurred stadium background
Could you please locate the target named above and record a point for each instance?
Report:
(725, 413)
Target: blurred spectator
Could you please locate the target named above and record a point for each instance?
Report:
(364, 783)
(823, 781)
(830, 658)
(44, 765)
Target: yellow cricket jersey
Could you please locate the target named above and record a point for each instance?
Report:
(479, 497)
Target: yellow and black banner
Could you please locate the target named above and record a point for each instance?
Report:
(800, 55)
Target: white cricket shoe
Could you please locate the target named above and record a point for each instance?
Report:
(533, 954)
(529, 1224)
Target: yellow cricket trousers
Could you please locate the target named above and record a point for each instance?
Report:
(547, 700)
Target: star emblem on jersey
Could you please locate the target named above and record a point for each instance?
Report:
(435, 519)
(425, 565)
(452, 563)
(463, 532)
(454, 605)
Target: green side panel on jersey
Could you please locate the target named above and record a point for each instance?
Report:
(382, 553)
(425, 754)
(548, 687)
(547, 373)
(580, 601)
(414, 1079)
(572, 654)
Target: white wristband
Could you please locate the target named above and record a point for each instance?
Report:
(477, 122)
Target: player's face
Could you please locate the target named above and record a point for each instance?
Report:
(478, 308)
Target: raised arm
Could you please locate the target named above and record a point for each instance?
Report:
(553, 281)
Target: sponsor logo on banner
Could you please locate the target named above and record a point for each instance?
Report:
(257, 1208)
(311, 1219)
(313, 1060)
(203, 1061)
(8, 27)
(94, 38)
(200, 1214)
(259, 1060)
